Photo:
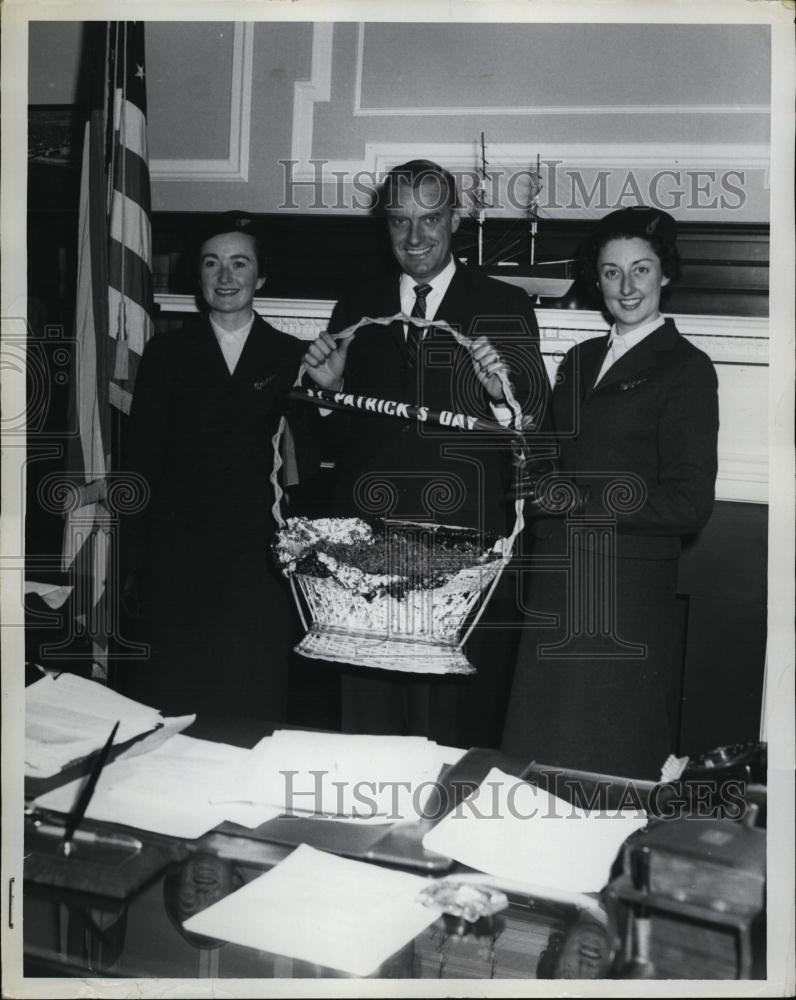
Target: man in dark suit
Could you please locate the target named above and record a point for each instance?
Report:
(207, 402)
(389, 467)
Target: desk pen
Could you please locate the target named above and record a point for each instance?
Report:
(75, 818)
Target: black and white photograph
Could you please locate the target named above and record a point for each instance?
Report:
(397, 498)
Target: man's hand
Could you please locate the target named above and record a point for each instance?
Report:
(325, 360)
(487, 364)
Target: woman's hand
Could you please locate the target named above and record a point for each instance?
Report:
(488, 366)
(326, 359)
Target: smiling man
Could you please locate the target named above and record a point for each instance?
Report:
(390, 467)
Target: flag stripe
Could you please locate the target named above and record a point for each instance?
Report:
(130, 124)
(132, 178)
(130, 225)
(137, 277)
(138, 323)
(122, 399)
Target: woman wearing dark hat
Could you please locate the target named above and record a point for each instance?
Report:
(195, 558)
(635, 417)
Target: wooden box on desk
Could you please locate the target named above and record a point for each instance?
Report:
(705, 898)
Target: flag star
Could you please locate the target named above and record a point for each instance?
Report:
(139, 71)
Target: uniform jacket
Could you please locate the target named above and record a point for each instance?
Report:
(201, 438)
(389, 466)
(643, 441)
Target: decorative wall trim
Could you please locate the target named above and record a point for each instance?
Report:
(306, 93)
(728, 340)
(737, 341)
(463, 156)
(556, 109)
(236, 166)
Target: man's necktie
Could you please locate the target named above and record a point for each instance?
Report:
(415, 333)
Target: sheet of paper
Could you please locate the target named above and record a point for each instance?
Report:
(54, 595)
(313, 906)
(513, 830)
(68, 717)
(165, 791)
(367, 778)
(171, 727)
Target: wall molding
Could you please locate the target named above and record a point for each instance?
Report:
(423, 111)
(734, 343)
(236, 166)
(307, 93)
(727, 340)
(463, 156)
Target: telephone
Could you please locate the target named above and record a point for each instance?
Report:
(747, 761)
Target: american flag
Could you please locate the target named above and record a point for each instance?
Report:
(113, 311)
(130, 232)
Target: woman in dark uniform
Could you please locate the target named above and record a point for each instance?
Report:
(635, 416)
(207, 401)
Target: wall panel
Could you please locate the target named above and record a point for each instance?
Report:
(682, 117)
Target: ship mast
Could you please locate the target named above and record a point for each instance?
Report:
(481, 203)
(533, 206)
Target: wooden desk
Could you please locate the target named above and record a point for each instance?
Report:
(81, 934)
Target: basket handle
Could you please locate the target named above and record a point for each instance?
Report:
(508, 393)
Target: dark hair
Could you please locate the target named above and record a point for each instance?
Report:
(231, 222)
(414, 173)
(657, 228)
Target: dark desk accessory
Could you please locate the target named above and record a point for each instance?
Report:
(583, 949)
(701, 885)
(98, 858)
(75, 817)
(194, 884)
(106, 861)
(641, 965)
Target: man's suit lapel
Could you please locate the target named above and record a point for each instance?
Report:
(455, 307)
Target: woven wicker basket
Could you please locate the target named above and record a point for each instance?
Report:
(422, 631)
(418, 632)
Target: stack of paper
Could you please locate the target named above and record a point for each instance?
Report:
(368, 778)
(165, 791)
(68, 717)
(319, 908)
(518, 832)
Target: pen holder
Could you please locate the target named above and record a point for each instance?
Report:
(109, 863)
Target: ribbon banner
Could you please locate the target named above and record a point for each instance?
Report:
(405, 411)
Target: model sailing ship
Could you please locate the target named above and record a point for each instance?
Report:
(542, 279)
